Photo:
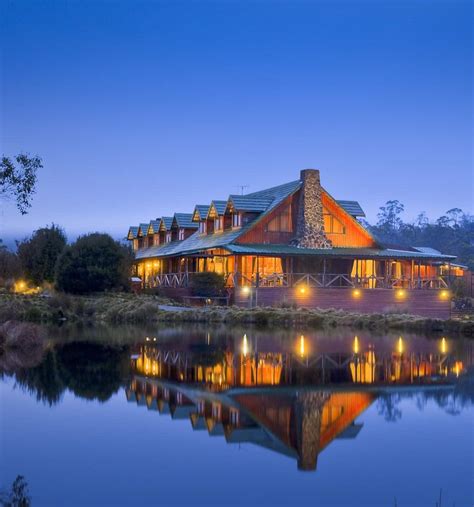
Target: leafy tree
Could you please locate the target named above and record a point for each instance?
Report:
(39, 254)
(18, 179)
(94, 263)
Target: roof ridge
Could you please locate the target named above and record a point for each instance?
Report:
(272, 189)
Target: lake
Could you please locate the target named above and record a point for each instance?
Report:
(239, 416)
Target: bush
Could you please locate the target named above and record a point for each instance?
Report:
(94, 263)
(207, 284)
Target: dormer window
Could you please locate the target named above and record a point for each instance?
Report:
(218, 224)
(236, 220)
(168, 237)
(202, 227)
(181, 234)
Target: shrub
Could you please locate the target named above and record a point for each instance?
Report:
(94, 263)
(207, 284)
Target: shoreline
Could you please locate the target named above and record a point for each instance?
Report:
(122, 308)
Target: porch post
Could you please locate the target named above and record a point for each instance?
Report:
(236, 270)
(412, 273)
(257, 274)
(388, 267)
(324, 272)
(290, 281)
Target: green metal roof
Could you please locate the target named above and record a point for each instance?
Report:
(132, 232)
(198, 242)
(143, 229)
(352, 207)
(185, 221)
(363, 253)
(246, 203)
(219, 206)
(201, 210)
(154, 226)
(165, 223)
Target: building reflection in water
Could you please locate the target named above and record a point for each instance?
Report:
(292, 399)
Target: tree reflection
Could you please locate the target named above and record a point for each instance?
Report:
(90, 370)
(387, 405)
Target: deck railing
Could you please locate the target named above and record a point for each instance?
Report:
(321, 280)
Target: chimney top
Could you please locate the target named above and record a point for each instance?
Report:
(305, 172)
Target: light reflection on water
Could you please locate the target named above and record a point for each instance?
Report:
(300, 395)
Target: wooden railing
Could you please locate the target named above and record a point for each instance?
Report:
(321, 280)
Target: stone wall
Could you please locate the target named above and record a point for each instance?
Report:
(310, 222)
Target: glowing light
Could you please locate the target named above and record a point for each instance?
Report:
(302, 346)
(356, 293)
(444, 294)
(400, 345)
(20, 286)
(302, 289)
(458, 368)
(245, 291)
(356, 345)
(400, 294)
(443, 345)
(245, 345)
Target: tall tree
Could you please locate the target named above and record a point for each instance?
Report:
(389, 215)
(39, 254)
(18, 179)
(94, 263)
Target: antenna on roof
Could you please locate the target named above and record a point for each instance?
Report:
(242, 187)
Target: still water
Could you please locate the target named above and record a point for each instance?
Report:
(218, 416)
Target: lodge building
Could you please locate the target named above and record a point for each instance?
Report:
(293, 243)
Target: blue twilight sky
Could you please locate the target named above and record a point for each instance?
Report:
(143, 108)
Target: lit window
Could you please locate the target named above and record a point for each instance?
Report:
(282, 222)
(216, 411)
(234, 417)
(168, 237)
(236, 220)
(332, 225)
(203, 227)
(181, 234)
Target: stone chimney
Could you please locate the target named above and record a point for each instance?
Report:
(310, 223)
(308, 410)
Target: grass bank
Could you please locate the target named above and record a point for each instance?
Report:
(318, 318)
(133, 309)
(114, 308)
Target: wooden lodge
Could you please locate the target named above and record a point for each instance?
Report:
(292, 243)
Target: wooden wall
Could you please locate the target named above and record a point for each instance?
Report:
(355, 235)
(426, 303)
(258, 234)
